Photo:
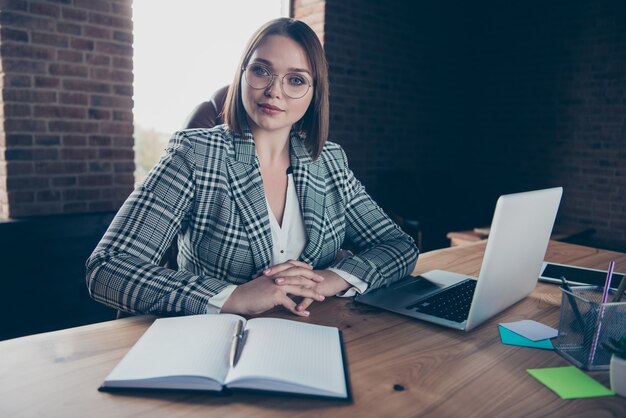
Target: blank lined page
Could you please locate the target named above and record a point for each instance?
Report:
(181, 346)
(278, 350)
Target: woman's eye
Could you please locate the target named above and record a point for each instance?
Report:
(260, 71)
(296, 80)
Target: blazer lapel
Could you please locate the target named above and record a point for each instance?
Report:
(249, 196)
(310, 181)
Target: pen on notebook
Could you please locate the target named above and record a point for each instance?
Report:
(235, 343)
(620, 290)
(572, 301)
(605, 295)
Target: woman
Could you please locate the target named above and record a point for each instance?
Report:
(260, 205)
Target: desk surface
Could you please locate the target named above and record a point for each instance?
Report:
(442, 372)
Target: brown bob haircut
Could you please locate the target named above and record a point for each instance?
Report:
(314, 124)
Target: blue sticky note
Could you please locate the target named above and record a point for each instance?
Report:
(509, 337)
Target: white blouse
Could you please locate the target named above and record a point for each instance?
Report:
(288, 242)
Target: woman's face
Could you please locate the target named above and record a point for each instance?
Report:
(269, 109)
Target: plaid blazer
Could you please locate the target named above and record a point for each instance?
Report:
(207, 191)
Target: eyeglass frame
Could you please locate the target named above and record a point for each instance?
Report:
(273, 76)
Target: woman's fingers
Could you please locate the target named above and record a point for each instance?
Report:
(296, 281)
(290, 305)
(271, 271)
(304, 304)
(297, 273)
(303, 292)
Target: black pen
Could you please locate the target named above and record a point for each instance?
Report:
(572, 301)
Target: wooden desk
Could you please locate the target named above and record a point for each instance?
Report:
(442, 372)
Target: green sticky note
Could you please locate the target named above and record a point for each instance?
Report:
(569, 382)
(509, 337)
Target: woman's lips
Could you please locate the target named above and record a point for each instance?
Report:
(269, 109)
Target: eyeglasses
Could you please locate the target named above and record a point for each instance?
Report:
(259, 76)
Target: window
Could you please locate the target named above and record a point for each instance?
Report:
(183, 52)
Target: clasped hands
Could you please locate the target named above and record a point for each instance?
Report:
(279, 284)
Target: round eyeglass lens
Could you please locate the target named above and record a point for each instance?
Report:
(259, 77)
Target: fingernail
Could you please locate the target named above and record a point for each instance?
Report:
(321, 277)
(322, 297)
(266, 271)
(306, 313)
(279, 281)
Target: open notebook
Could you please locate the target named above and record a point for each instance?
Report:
(196, 352)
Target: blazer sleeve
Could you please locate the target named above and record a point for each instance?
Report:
(123, 270)
(384, 253)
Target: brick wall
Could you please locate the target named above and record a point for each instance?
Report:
(450, 104)
(390, 103)
(547, 106)
(66, 136)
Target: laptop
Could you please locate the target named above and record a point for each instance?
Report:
(520, 231)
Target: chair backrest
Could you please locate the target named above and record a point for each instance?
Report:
(208, 114)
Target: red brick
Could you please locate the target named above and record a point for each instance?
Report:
(81, 194)
(82, 44)
(98, 32)
(10, 34)
(18, 140)
(47, 140)
(95, 180)
(100, 114)
(45, 9)
(60, 112)
(110, 21)
(24, 66)
(72, 126)
(64, 181)
(117, 128)
(74, 140)
(17, 80)
(24, 125)
(65, 167)
(21, 196)
(73, 98)
(70, 56)
(47, 82)
(79, 153)
(60, 41)
(69, 28)
(29, 51)
(15, 110)
(48, 196)
(25, 21)
(94, 5)
(123, 115)
(19, 168)
(123, 62)
(74, 14)
(127, 167)
(86, 86)
(99, 141)
(114, 48)
(111, 75)
(123, 141)
(111, 101)
(68, 70)
(99, 167)
(97, 59)
(27, 182)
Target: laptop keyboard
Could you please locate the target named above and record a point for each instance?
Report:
(452, 304)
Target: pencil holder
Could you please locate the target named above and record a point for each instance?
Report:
(585, 324)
